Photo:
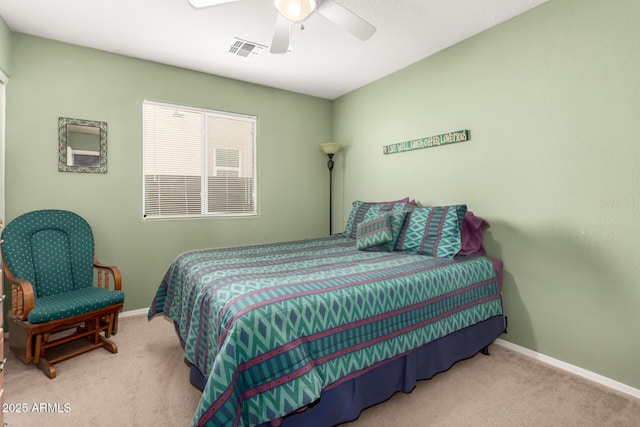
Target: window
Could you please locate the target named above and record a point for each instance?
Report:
(197, 162)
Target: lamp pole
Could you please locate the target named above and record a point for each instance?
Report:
(330, 166)
(330, 149)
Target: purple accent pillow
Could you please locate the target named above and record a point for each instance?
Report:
(472, 234)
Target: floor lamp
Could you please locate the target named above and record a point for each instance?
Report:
(330, 148)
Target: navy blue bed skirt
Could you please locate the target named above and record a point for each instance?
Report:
(344, 401)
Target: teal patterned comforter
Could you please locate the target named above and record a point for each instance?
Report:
(271, 326)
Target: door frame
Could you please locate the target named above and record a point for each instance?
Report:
(4, 80)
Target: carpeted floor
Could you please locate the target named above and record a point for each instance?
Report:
(147, 384)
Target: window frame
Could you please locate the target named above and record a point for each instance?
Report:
(217, 168)
(205, 160)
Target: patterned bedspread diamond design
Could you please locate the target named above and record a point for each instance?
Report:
(270, 326)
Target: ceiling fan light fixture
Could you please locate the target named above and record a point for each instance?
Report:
(295, 10)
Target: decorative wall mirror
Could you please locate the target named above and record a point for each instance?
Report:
(82, 145)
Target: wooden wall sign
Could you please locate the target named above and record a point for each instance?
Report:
(430, 141)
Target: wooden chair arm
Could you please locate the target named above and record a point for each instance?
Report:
(22, 298)
(104, 274)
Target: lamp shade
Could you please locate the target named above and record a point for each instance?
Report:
(330, 147)
(295, 10)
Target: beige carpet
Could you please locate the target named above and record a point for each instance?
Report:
(147, 384)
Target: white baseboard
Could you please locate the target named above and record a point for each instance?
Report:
(600, 379)
(137, 312)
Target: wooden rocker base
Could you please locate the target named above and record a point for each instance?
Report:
(47, 366)
(95, 327)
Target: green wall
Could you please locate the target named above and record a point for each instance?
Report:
(553, 105)
(51, 79)
(552, 102)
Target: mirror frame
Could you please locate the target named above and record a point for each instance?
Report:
(63, 122)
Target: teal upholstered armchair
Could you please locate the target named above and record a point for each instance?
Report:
(60, 292)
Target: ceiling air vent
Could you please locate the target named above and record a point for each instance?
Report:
(245, 48)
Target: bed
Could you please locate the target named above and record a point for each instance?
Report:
(310, 332)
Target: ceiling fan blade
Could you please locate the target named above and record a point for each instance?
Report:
(281, 35)
(206, 3)
(345, 18)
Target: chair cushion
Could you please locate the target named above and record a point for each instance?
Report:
(53, 249)
(50, 255)
(72, 303)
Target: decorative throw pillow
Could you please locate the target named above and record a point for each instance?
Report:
(434, 231)
(472, 234)
(398, 216)
(359, 210)
(374, 231)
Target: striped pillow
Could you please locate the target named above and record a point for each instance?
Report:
(398, 216)
(433, 231)
(374, 231)
(359, 212)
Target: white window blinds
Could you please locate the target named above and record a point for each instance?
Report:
(197, 162)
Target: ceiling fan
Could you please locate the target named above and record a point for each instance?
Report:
(296, 11)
